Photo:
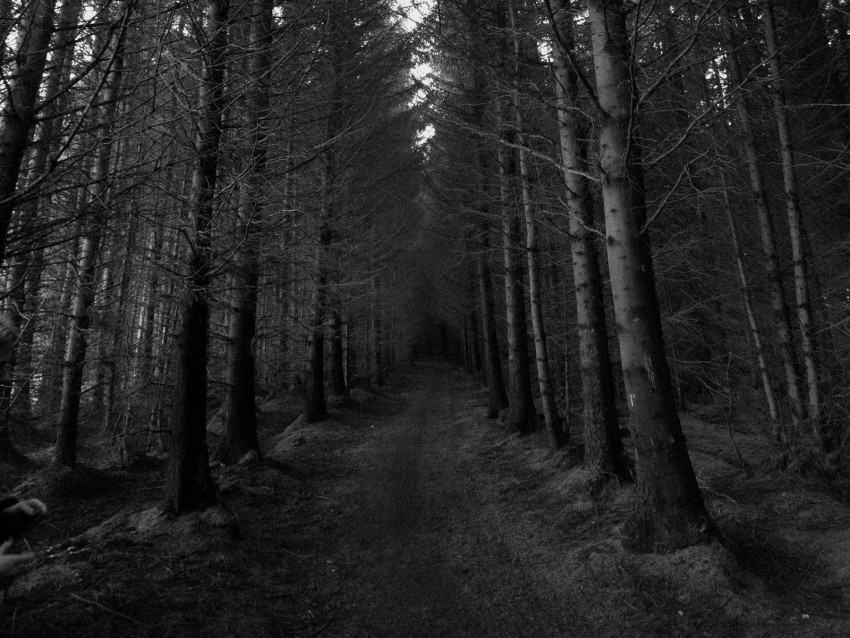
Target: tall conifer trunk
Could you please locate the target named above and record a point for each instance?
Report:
(190, 486)
(316, 408)
(336, 356)
(498, 397)
(27, 282)
(240, 435)
(17, 120)
(797, 233)
(19, 110)
(377, 333)
(669, 512)
(532, 250)
(603, 448)
(781, 316)
(755, 332)
(522, 416)
(86, 283)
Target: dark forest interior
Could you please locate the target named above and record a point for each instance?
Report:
(425, 317)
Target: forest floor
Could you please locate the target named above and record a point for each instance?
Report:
(408, 514)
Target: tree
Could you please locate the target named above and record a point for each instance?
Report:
(18, 116)
(781, 317)
(190, 485)
(498, 398)
(669, 510)
(96, 222)
(522, 416)
(797, 233)
(603, 448)
(541, 347)
(240, 436)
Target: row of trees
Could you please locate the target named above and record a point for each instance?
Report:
(200, 204)
(571, 137)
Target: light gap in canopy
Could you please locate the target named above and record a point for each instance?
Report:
(413, 13)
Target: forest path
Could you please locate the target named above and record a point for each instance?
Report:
(407, 513)
(423, 519)
(430, 562)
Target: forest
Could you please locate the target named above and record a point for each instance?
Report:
(425, 317)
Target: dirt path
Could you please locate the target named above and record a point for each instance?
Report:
(430, 563)
(436, 525)
(408, 514)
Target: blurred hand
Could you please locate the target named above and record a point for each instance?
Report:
(29, 508)
(12, 565)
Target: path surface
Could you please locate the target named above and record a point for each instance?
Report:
(411, 515)
(422, 550)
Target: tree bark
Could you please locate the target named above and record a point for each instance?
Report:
(114, 375)
(768, 242)
(797, 233)
(240, 435)
(316, 408)
(240, 431)
(86, 283)
(18, 116)
(535, 295)
(190, 486)
(377, 369)
(34, 207)
(17, 120)
(337, 371)
(8, 336)
(755, 332)
(472, 324)
(498, 397)
(522, 416)
(669, 512)
(603, 447)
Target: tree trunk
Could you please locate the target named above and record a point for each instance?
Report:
(474, 336)
(16, 124)
(755, 332)
(190, 485)
(50, 391)
(19, 111)
(240, 433)
(498, 397)
(522, 416)
(603, 447)
(316, 408)
(669, 512)
(63, 50)
(8, 336)
(795, 227)
(337, 372)
(774, 274)
(541, 345)
(86, 283)
(377, 369)
(240, 436)
(9, 350)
